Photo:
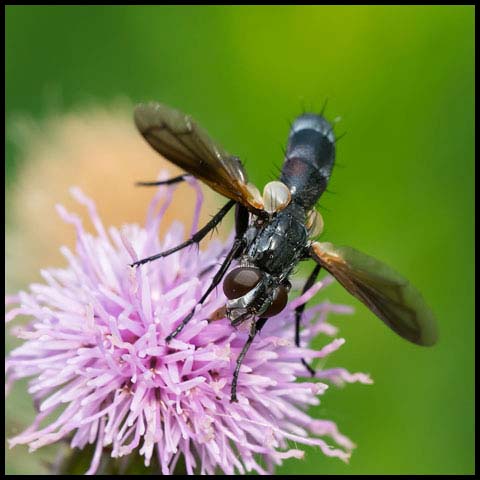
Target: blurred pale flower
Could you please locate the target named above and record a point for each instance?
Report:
(101, 372)
(97, 149)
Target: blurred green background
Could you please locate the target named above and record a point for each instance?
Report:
(402, 79)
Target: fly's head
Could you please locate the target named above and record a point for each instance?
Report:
(253, 292)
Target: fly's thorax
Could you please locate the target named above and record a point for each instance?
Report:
(277, 243)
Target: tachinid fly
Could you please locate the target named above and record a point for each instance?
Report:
(275, 231)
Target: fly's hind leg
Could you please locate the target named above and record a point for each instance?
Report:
(169, 181)
(299, 311)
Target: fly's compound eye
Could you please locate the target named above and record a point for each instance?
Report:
(240, 281)
(280, 299)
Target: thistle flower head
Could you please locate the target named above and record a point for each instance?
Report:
(96, 354)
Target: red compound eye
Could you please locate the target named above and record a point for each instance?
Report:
(240, 281)
(280, 299)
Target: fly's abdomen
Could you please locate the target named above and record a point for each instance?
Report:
(309, 159)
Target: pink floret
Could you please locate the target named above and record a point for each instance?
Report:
(95, 351)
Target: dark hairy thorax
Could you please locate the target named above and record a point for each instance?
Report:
(277, 245)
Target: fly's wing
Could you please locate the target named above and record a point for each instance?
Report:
(181, 141)
(386, 293)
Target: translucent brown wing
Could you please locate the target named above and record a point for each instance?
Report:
(386, 293)
(180, 140)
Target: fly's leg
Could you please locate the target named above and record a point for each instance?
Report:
(196, 238)
(238, 246)
(254, 329)
(169, 181)
(299, 311)
(241, 225)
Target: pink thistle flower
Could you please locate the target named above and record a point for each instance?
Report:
(96, 350)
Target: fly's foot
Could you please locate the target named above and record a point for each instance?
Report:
(310, 369)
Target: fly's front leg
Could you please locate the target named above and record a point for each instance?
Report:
(196, 238)
(241, 224)
(299, 311)
(254, 329)
(238, 246)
